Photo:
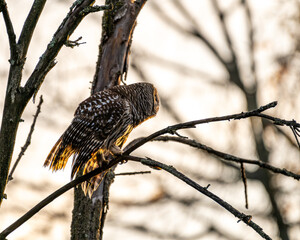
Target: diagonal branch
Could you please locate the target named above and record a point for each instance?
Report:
(132, 173)
(192, 124)
(170, 169)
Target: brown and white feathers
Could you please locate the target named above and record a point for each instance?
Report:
(102, 124)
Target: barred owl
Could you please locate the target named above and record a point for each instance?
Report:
(101, 125)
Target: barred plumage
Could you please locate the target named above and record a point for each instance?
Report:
(101, 125)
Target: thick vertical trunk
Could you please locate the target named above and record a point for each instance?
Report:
(117, 28)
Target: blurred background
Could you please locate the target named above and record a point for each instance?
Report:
(207, 58)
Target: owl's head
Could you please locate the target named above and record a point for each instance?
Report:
(143, 97)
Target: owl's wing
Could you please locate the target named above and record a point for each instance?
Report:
(94, 121)
(106, 128)
(68, 143)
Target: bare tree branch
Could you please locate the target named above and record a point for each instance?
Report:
(132, 173)
(192, 124)
(241, 216)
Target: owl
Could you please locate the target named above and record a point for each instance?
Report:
(101, 126)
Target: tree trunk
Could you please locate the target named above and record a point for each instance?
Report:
(117, 28)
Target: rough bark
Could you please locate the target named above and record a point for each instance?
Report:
(117, 30)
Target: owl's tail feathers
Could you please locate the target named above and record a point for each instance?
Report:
(59, 155)
(93, 183)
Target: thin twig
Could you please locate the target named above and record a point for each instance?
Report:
(132, 173)
(28, 140)
(286, 136)
(96, 8)
(228, 157)
(296, 135)
(244, 178)
(280, 122)
(74, 43)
